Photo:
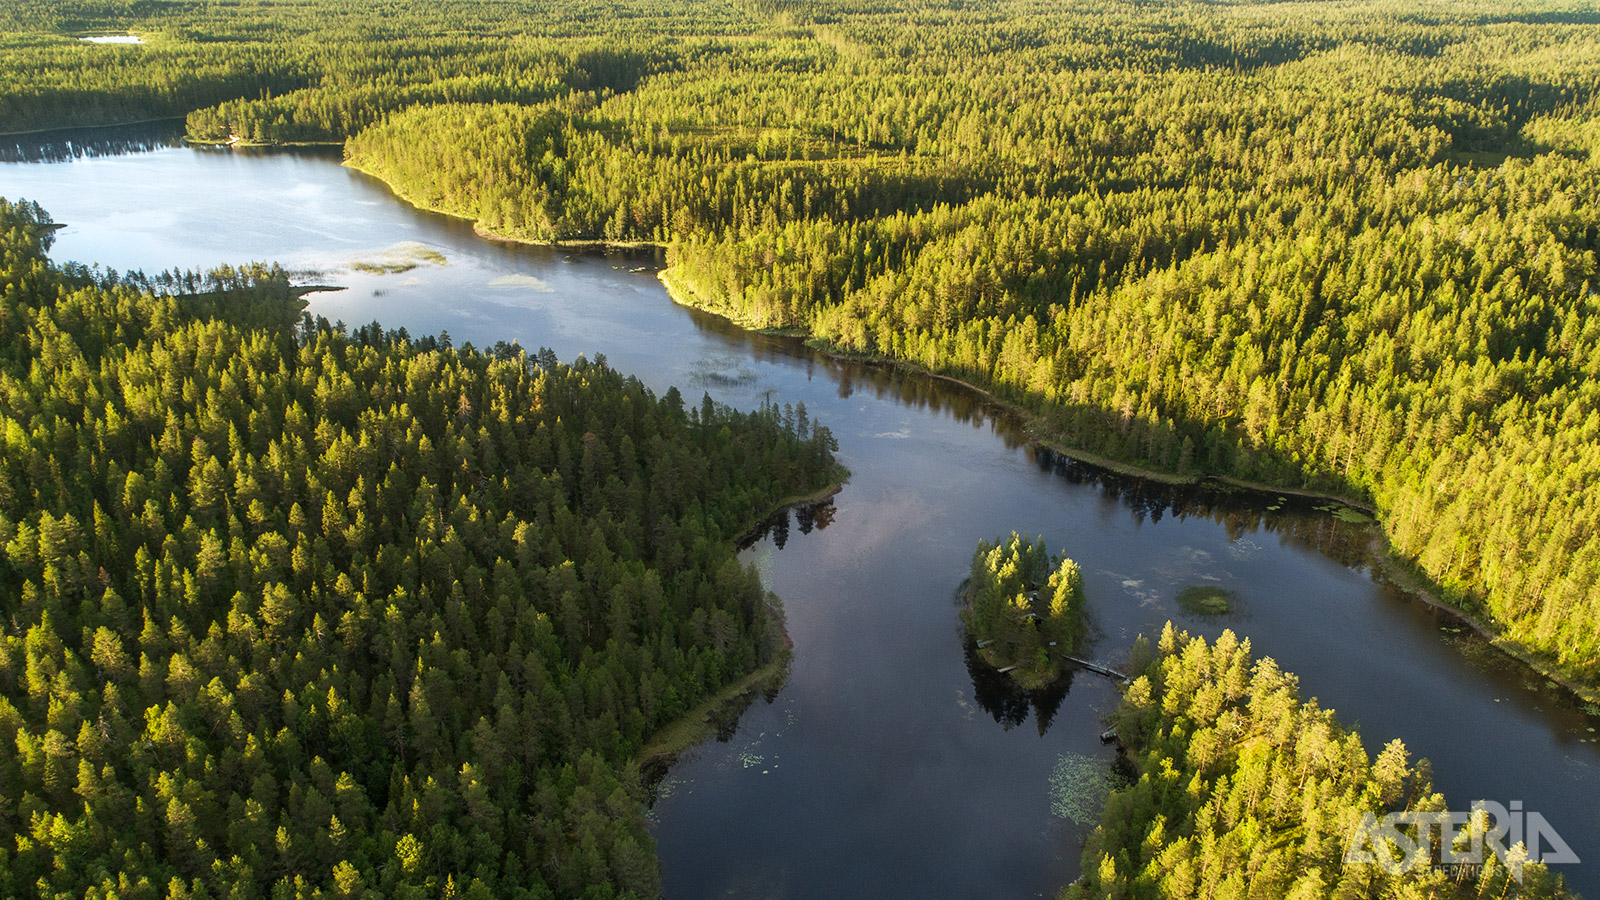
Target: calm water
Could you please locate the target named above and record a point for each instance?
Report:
(884, 766)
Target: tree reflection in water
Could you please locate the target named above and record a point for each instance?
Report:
(999, 695)
(808, 516)
(69, 144)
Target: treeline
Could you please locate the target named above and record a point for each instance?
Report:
(361, 83)
(563, 171)
(273, 73)
(296, 612)
(1242, 789)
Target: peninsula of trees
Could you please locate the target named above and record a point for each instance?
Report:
(296, 612)
(1024, 609)
(1242, 789)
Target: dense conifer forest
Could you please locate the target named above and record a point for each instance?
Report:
(293, 611)
(1345, 247)
(1240, 788)
(338, 612)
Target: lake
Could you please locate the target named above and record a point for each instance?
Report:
(886, 764)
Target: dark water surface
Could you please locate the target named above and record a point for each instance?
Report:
(884, 766)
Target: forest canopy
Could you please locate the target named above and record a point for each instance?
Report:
(1241, 788)
(1349, 248)
(292, 611)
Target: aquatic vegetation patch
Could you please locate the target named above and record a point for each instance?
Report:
(522, 281)
(721, 372)
(1079, 786)
(401, 257)
(1346, 513)
(1243, 548)
(1206, 599)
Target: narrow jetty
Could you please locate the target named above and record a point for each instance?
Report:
(1098, 669)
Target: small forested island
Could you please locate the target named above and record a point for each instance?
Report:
(1239, 788)
(297, 612)
(1023, 609)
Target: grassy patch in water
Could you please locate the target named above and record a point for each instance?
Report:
(1206, 599)
(1346, 513)
(384, 266)
(402, 257)
(1078, 788)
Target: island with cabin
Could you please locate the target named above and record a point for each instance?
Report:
(1023, 609)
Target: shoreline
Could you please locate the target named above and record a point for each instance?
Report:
(791, 502)
(1261, 487)
(699, 724)
(1398, 572)
(6, 134)
(685, 295)
(696, 726)
(255, 145)
(1404, 576)
(483, 231)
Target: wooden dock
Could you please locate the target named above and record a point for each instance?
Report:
(1098, 669)
(1094, 667)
